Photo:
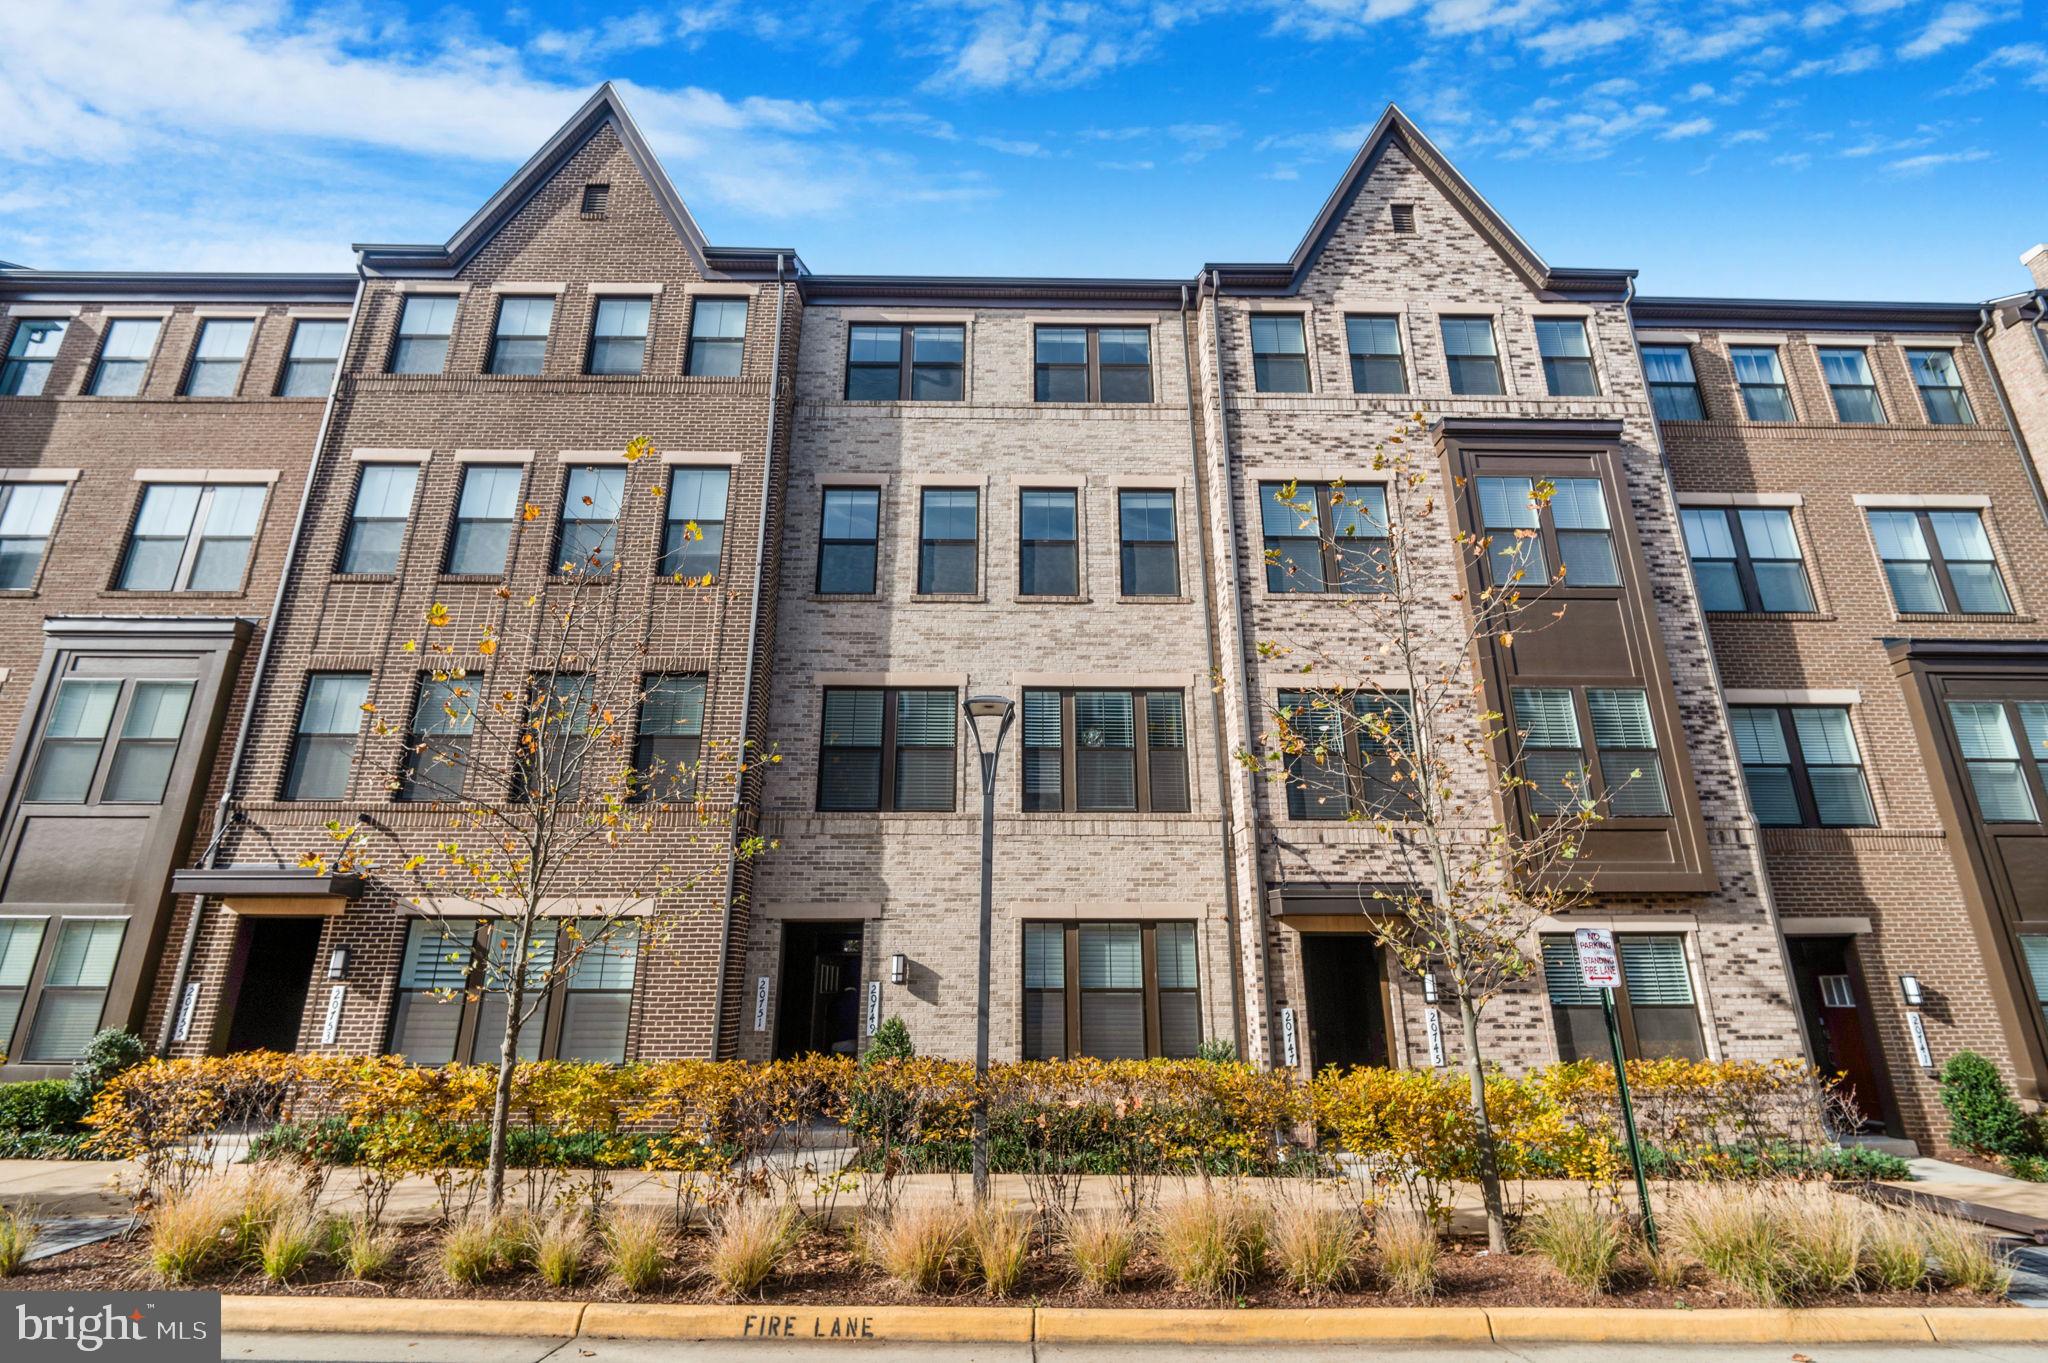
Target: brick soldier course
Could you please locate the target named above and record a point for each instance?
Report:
(1048, 491)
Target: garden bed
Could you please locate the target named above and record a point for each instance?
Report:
(825, 1270)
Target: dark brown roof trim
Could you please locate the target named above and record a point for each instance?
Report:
(992, 291)
(1805, 313)
(269, 881)
(2023, 651)
(84, 286)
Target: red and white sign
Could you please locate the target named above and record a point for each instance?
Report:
(1599, 966)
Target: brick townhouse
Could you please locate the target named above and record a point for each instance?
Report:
(1806, 619)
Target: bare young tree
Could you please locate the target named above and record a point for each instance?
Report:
(1386, 723)
(559, 834)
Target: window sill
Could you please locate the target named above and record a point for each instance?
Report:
(1959, 618)
(1024, 600)
(842, 596)
(948, 598)
(1105, 406)
(1153, 600)
(879, 403)
(1803, 617)
(115, 594)
(469, 579)
(363, 577)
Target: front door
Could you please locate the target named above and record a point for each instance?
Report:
(1838, 1021)
(820, 1009)
(276, 971)
(1347, 1020)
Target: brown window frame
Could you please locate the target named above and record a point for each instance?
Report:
(885, 789)
(1072, 991)
(551, 1017)
(1624, 1007)
(1591, 768)
(1092, 367)
(1937, 560)
(1026, 543)
(1547, 535)
(906, 365)
(1355, 772)
(1745, 561)
(1330, 545)
(1799, 771)
(1142, 751)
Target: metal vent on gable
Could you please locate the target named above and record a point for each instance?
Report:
(596, 198)
(1404, 217)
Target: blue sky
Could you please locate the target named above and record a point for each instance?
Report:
(1812, 148)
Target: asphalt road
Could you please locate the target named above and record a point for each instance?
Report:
(272, 1348)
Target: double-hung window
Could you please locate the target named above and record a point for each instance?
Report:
(21, 940)
(74, 992)
(1526, 528)
(30, 354)
(424, 326)
(192, 537)
(1112, 991)
(1626, 779)
(376, 524)
(1941, 387)
(1377, 365)
(597, 996)
(718, 338)
(671, 734)
(949, 541)
(1746, 559)
(437, 743)
(1106, 751)
(520, 342)
(618, 336)
(848, 526)
(1473, 356)
(484, 516)
(1802, 766)
(1279, 353)
(440, 957)
(591, 500)
(693, 539)
(1939, 562)
(72, 764)
(309, 364)
(1048, 542)
(28, 513)
(876, 370)
(1674, 388)
(2004, 746)
(1150, 557)
(216, 369)
(557, 723)
(1655, 1006)
(1353, 752)
(1853, 386)
(124, 357)
(1765, 397)
(1092, 364)
(888, 749)
(324, 747)
(1325, 537)
(1567, 358)
(452, 1003)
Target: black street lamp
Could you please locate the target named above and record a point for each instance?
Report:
(981, 709)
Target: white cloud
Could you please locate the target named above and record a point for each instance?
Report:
(1691, 127)
(1010, 146)
(2029, 61)
(1793, 160)
(1955, 23)
(1847, 62)
(1123, 165)
(1747, 135)
(1934, 160)
(1569, 41)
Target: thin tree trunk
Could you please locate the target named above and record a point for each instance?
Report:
(508, 1057)
(1482, 1134)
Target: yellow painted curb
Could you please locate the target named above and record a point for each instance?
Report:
(904, 1324)
(401, 1316)
(1968, 1325)
(1110, 1325)
(1824, 1325)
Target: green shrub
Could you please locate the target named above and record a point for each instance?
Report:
(40, 1105)
(2028, 1168)
(1983, 1118)
(1217, 1050)
(891, 1041)
(106, 1055)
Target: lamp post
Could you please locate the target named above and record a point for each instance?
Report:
(981, 709)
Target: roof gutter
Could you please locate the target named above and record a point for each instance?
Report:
(746, 754)
(223, 811)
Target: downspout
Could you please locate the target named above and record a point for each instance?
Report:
(2005, 405)
(1251, 697)
(1218, 720)
(732, 853)
(211, 856)
(1763, 870)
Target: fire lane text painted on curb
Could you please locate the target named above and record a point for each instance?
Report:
(822, 1327)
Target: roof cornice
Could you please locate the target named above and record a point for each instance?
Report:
(991, 291)
(1819, 314)
(82, 286)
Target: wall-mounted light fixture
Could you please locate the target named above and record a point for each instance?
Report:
(1909, 988)
(1429, 986)
(899, 968)
(337, 963)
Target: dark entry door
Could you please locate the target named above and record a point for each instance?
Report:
(1347, 1020)
(1838, 1020)
(820, 1008)
(277, 970)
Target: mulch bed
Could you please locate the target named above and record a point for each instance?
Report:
(824, 1270)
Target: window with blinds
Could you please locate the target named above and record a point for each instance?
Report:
(452, 1004)
(1113, 991)
(1655, 1007)
(597, 1003)
(439, 958)
(20, 940)
(74, 992)
(888, 749)
(1802, 766)
(2002, 778)
(1553, 759)
(501, 962)
(2034, 950)
(1105, 751)
(671, 734)
(1632, 778)
(437, 745)
(1326, 537)
(1356, 753)
(1526, 527)
(1627, 776)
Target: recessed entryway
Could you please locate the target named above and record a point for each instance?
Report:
(275, 967)
(820, 993)
(1839, 1025)
(1347, 1005)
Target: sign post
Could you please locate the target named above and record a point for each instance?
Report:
(1600, 968)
